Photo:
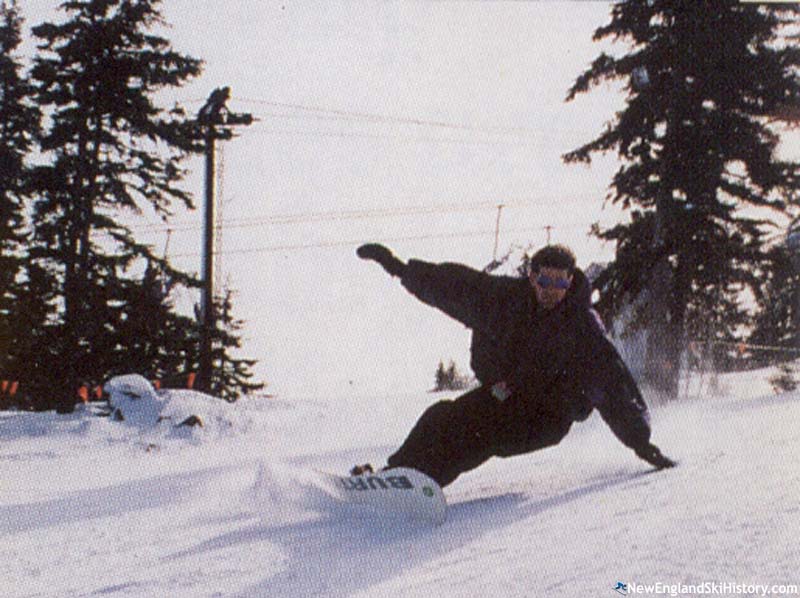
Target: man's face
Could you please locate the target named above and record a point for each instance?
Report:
(550, 285)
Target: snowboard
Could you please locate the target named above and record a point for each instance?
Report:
(399, 491)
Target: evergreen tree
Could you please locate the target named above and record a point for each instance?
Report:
(111, 151)
(22, 314)
(440, 382)
(230, 376)
(452, 375)
(450, 378)
(778, 321)
(35, 357)
(699, 175)
(159, 342)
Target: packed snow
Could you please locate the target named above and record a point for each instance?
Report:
(140, 506)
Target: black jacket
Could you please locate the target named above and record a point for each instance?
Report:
(558, 363)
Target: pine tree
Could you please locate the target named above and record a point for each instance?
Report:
(440, 382)
(21, 315)
(112, 150)
(450, 378)
(35, 356)
(147, 335)
(18, 121)
(699, 177)
(778, 321)
(230, 376)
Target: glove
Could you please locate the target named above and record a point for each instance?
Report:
(382, 255)
(653, 456)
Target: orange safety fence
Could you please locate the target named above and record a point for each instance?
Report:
(83, 393)
(9, 387)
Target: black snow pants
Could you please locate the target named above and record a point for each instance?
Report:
(455, 436)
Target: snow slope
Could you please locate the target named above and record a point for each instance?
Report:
(93, 507)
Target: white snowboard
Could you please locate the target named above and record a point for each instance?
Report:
(395, 491)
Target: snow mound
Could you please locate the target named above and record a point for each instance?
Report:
(134, 400)
(170, 413)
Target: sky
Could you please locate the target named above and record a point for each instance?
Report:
(406, 123)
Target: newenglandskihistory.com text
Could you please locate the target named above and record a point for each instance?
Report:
(707, 588)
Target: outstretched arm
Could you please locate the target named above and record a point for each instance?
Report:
(472, 297)
(621, 405)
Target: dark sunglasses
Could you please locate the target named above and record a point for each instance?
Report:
(546, 282)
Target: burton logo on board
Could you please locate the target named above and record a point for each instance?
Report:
(399, 482)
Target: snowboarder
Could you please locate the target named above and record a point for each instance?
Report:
(542, 358)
